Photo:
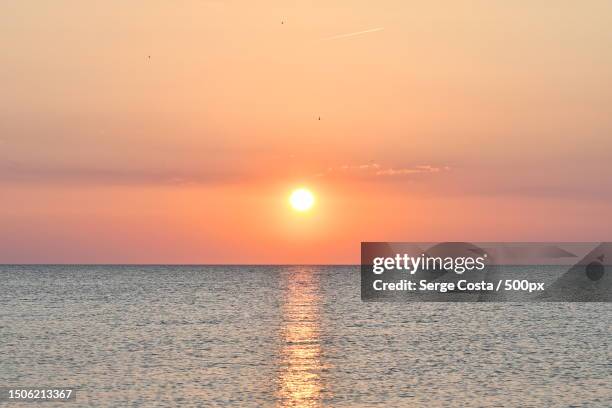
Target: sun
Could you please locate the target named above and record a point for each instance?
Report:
(301, 199)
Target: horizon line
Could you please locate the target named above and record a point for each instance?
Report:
(176, 264)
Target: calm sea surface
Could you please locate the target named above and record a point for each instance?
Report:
(288, 336)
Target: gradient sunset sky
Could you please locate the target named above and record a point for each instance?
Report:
(174, 131)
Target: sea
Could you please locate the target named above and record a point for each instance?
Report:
(287, 336)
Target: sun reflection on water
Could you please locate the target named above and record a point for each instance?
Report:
(300, 363)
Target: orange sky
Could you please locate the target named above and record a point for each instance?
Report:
(479, 120)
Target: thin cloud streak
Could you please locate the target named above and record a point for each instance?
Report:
(413, 170)
(11, 172)
(376, 170)
(347, 35)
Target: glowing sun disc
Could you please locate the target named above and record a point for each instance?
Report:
(301, 199)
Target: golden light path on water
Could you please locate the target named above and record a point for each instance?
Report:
(300, 361)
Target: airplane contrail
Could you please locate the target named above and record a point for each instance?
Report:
(371, 30)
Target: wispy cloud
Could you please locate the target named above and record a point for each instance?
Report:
(411, 170)
(368, 166)
(377, 170)
(353, 34)
(14, 172)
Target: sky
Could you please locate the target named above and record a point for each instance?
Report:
(173, 132)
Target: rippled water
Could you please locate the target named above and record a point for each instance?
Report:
(295, 336)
